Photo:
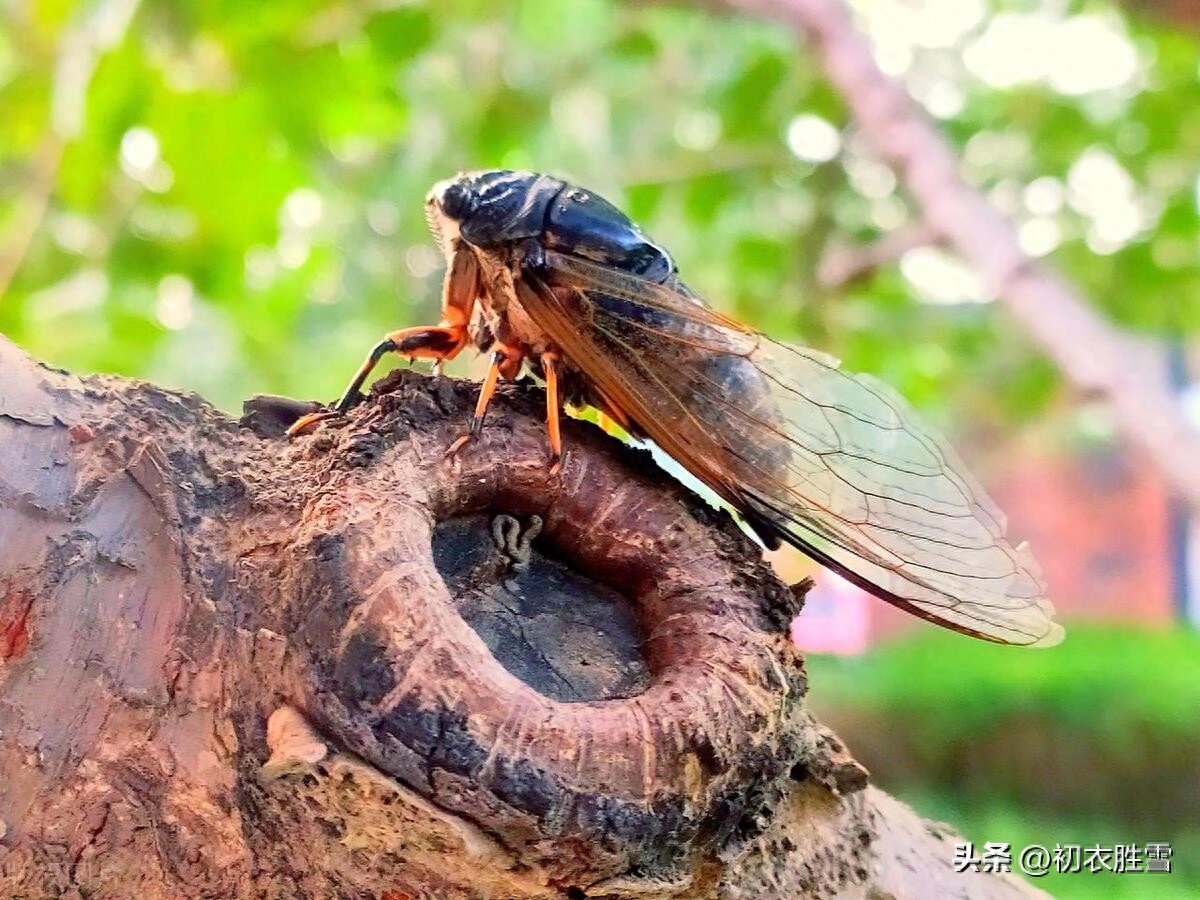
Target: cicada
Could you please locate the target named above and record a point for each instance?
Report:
(545, 274)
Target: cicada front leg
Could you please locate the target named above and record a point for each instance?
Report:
(439, 342)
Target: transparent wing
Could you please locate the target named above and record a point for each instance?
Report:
(836, 464)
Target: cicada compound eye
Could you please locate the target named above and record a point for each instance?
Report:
(458, 200)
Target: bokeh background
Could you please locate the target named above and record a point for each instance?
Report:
(226, 198)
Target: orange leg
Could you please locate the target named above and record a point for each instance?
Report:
(506, 362)
(550, 370)
(437, 342)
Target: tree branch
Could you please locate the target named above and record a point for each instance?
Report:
(237, 666)
(843, 265)
(1130, 376)
(101, 29)
(1183, 14)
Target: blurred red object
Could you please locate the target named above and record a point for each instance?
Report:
(1097, 520)
(836, 617)
(1100, 523)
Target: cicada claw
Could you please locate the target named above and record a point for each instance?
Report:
(459, 442)
(307, 421)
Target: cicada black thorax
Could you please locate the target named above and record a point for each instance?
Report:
(509, 217)
(504, 215)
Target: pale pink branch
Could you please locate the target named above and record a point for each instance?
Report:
(30, 208)
(96, 31)
(1129, 375)
(844, 264)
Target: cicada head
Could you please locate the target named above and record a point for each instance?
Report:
(489, 209)
(446, 205)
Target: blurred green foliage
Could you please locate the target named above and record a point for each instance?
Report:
(997, 820)
(1093, 742)
(1110, 683)
(240, 208)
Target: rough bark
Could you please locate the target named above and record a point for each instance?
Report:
(233, 665)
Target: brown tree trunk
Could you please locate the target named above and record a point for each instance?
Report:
(233, 665)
